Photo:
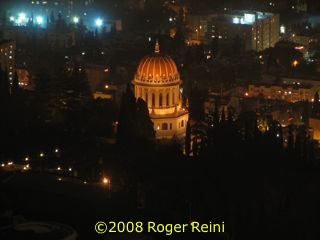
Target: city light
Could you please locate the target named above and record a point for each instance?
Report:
(39, 20)
(11, 19)
(295, 63)
(99, 22)
(105, 180)
(22, 18)
(75, 20)
(26, 167)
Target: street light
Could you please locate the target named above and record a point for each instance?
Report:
(41, 161)
(39, 20)
(105, 180)
(99, 22)
(75, 20)
(107, 183)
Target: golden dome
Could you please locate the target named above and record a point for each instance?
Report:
(157, 69)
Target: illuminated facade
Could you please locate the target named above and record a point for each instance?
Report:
(265, 32)
(157, 82)
(289, 93)
(259, 30)
(7, 52)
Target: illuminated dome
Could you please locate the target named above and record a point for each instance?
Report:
(157, 69)
(157, 82)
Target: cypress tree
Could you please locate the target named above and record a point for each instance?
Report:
(223, 116)
(143, 124)
(188, 139)
(4, 84)
(135, 127)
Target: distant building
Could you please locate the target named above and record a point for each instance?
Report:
(157, 81)
(285, 92)
(217, 98)
(314, 125)
(24, 78)
(314, 120)
(258, 30)
(55, 39)
(7, 56)
(97, 75)
(111, 92)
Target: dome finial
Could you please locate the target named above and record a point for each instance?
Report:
(157, 47)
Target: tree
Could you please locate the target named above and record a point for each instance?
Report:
(4, 84)
(135, 128)
(15, 84)
(188, 139)
(316, 105)
(126, 118)
(78, 84)
(52, 18)
(143, 124)
(223, 116)
(216, 115)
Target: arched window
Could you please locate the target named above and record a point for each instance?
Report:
(182, 123)
(170, 126)
(146, 98)
(164, 126)
(167, 99)
(173, 102)
(160, 100)
(153, 100)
